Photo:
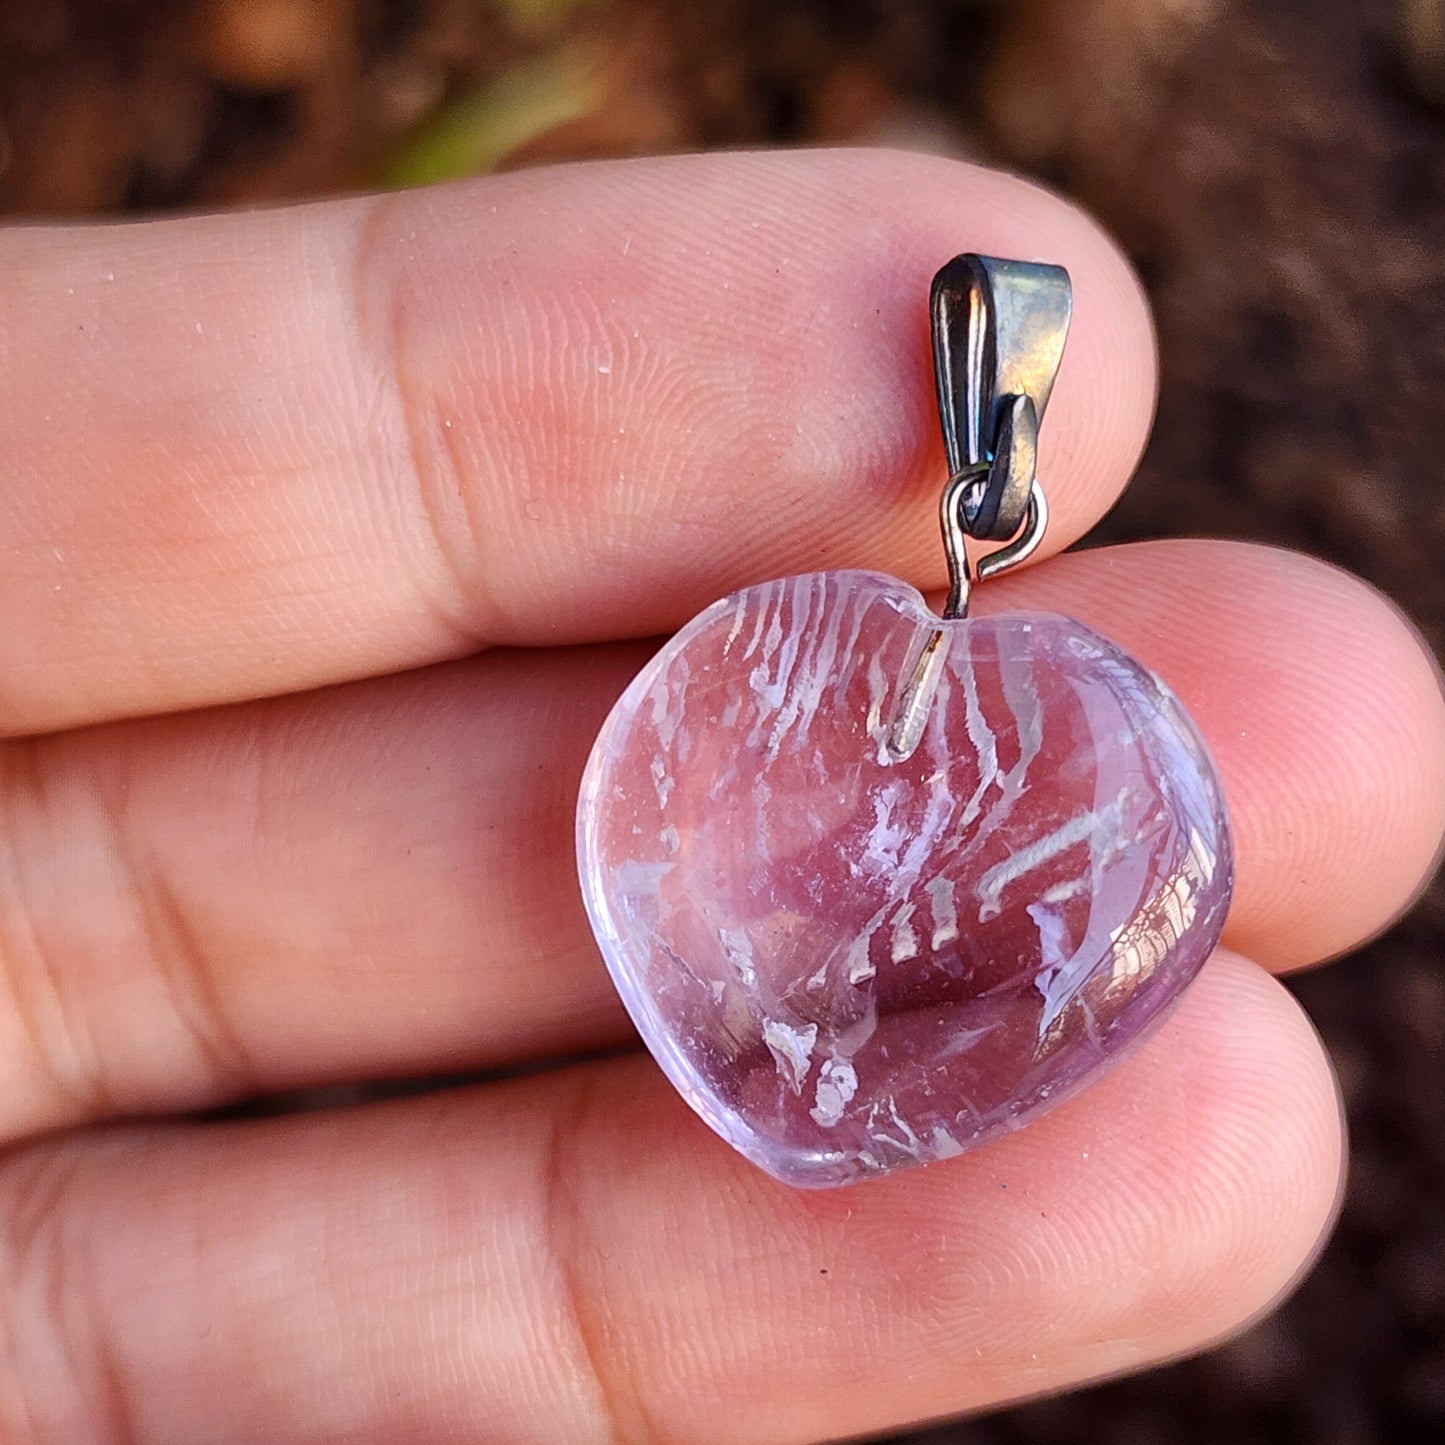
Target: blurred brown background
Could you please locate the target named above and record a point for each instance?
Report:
(1277, 170)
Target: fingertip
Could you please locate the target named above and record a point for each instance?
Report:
(1342, 762)
(1255, 1166)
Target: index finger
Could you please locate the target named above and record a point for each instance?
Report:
(257, 453)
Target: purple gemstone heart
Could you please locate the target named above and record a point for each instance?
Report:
(877, 887)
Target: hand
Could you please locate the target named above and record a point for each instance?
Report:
(322, 532)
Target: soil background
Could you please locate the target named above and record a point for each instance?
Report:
(1277, 170)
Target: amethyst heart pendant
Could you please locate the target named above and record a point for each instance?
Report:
(877, 886)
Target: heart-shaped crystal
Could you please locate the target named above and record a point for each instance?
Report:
(876, 887)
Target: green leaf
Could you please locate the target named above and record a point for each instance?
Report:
(539, 17)
(475, 133)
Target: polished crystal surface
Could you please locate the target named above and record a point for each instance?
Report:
(877, 887)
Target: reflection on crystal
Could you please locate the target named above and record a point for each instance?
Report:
(863, 931)
(1146, 940)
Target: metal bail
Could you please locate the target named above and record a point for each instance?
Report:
(998, 338)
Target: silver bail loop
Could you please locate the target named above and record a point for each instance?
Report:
(999, 329)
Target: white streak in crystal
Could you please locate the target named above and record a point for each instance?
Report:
(905, 940)
(943, 1144)
(792, 1050)
(739, 612)
(856, 610)
(859, 964)
(985, 744)
(904, 1127)
(1021, 698)
(924, 843)
(837, 1083)
(877, 692)
(1034, 855)
(1017, 676)
(945, 912)
(670, 839)
(666, 698)
(739, 949)
(886, 836)
(1069, 888)
(774, 635)
(908, 1143)
(661, 781)
(772, 691)
(802, 705)
(769, 594)
(1055, 980)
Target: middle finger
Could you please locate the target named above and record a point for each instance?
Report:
(378, 879)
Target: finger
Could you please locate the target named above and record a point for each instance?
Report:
(251, 454)
(363, 881)
(575, 1257)
(379, 879)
